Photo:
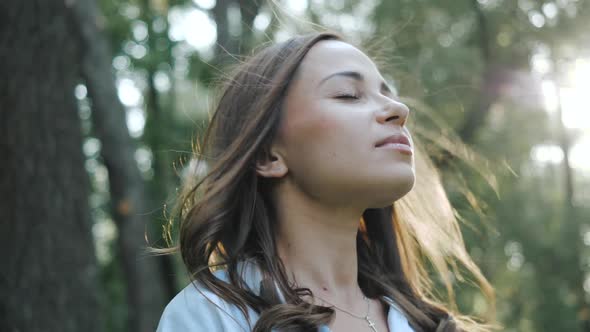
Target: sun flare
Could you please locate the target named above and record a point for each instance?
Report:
(573, 96)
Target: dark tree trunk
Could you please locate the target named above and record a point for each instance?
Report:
(228, 46)
(162, 184)
(489, 89)
(48, 272)
(145, 292)
(572, 233)
(492, 78)
(157, 127)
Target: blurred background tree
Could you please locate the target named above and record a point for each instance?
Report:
(509, 78)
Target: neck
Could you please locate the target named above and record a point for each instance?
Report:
(317, 244)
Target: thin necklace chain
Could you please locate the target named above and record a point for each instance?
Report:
(366, 317)
(350, 313)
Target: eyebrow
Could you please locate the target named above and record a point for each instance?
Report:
(356, 76)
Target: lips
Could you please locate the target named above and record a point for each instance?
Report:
(394, 139)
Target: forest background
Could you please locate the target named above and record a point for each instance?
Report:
(100, 102)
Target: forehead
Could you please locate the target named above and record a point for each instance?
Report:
(329, 56)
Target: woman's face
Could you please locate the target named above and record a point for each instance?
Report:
(337, 114)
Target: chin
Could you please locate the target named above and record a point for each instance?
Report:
(394, 190)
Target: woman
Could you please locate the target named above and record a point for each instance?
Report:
(306, 219)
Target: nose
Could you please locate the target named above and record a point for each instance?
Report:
(394, 112)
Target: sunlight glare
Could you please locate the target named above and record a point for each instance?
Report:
(135, 119)
(547, 154)
(574, 98)
(550, 95)
(580, 154)
(193, 26)
(297, 6)
(128, 93)
(205, 4)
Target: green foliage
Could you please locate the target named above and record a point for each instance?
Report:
(458, 58)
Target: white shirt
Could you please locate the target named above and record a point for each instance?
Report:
(197, 309)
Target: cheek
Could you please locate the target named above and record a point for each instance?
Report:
(323, 135)
(325, 143)
(306, 128)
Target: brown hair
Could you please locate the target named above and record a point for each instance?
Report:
(228, 217)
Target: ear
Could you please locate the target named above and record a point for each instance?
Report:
(271, 165)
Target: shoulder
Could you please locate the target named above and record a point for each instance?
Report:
(396, 320)
(196, 308)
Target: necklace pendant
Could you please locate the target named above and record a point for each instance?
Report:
(371, 324)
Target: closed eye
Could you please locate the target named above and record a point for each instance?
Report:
(347, 96)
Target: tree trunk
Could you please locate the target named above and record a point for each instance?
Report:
(48, 272)
(145, 293)
(228, 46)
(572, 233)
(489, 88)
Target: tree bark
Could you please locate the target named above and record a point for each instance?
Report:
(48, 274)
(145, 293)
